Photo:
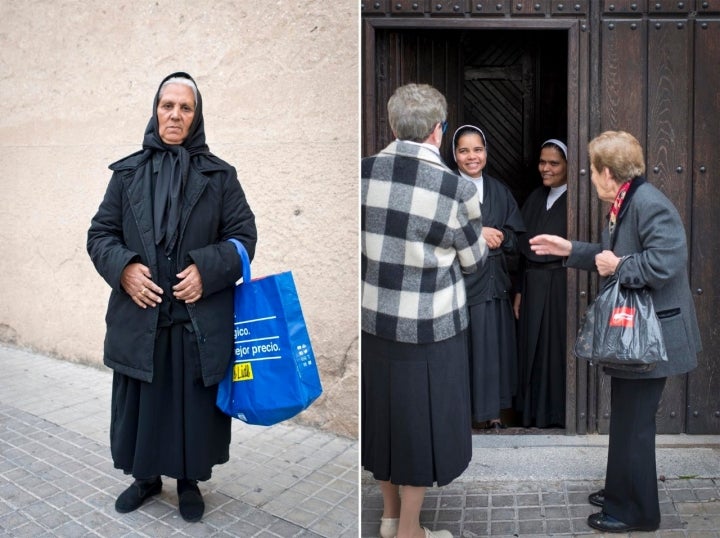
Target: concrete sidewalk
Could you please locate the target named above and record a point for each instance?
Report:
(57, 477)
(537, 485)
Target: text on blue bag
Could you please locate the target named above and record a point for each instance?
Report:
(257, 334)
(258, 340)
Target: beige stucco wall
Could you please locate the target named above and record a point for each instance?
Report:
(280, 92)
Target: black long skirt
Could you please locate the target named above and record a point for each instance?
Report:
(541, 348)
(493, 358)
(415, 423)
(171, 426)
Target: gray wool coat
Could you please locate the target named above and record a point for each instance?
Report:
(650, 232)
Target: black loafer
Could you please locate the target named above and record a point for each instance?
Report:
(190, 501)
(606, 523)
(597, 498)
(138, 492)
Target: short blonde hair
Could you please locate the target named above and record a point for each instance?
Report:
(414, 110)
(620, 152)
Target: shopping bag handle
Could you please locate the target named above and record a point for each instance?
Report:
(243, 257)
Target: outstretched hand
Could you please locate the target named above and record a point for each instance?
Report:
(552, 245)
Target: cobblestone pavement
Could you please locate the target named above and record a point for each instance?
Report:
(57, 477)
(535, 484)
(690, 508)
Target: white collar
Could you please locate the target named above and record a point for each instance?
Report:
(478, 183)
(473, 179)
(554, 194)
(431, 147)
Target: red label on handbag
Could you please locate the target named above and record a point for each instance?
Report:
(623, 316)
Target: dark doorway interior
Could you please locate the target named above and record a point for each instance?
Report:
(515, 89)
(512, 83)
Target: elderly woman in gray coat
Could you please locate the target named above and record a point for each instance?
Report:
(645, 230)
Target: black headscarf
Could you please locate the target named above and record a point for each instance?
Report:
(173, 170)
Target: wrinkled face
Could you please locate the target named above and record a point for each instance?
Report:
(552, 167)
(605, 185)
(470, 154)
(175, 112)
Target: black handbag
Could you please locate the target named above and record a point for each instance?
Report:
(620, 329)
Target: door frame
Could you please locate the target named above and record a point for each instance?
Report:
(580, 393)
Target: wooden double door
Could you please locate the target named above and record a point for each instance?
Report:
(649, 71)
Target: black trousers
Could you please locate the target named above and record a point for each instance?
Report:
(631, 492)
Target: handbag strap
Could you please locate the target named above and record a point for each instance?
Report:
(244, 258)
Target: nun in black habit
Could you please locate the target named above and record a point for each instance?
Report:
(540, 304)
(493, 348)
(160, 240)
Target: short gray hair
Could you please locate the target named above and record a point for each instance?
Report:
(414, 110)
(180, 80)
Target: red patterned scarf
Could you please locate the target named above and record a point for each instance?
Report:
(617, 204)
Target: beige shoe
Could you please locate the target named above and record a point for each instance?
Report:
(437, 534)
(389, 526)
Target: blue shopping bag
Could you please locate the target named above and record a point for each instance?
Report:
(273, 375)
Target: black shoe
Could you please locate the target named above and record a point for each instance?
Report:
(138, 492)
(597, 498)
(606, 523)
(190, 501)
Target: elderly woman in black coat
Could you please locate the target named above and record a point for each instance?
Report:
(160, 240)
(646, 232)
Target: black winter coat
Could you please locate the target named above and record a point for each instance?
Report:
(214, 209)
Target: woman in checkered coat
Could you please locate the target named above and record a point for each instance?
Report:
(421, 230)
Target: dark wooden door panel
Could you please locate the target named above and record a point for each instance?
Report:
(622, 77)
(494, 101)
(652, 71)
(515, 90)
(622, 98)
(704, 383)
(402, 57)
(669, 106)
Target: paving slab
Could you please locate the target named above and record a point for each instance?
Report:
(57, 477)
(538, 485)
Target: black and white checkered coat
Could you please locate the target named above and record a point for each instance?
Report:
(421, 228)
